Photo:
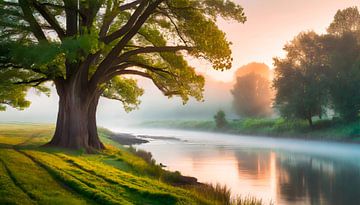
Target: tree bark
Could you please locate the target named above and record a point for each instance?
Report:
(76, 123)
(94, 141)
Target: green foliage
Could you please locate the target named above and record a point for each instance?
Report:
(252, 96)
(300, 79)
(322, 72)
(175, 77)
(220, 119)
(12, 92)
(209, 42)
(124, 90)
(41, 43)
(72, 49)
(346, 20)
(343, 75)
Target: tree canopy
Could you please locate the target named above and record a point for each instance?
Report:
(41, 37)
(87, 48)
(299, 79)
(322, 72)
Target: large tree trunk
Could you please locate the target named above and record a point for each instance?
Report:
(76, 123)
(94, 141)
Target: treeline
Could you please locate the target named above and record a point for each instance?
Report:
(321, 72)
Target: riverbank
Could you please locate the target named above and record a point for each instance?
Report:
(30, 174)
(322, 130)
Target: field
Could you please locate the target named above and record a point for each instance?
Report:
(30, 174)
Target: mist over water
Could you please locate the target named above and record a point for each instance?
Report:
(284, 171)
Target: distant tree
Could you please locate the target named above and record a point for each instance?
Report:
(87, 48)
(300, 79)
(343, 74)
(258, 68)
(346, 20)
(252, 96)
(220, 119)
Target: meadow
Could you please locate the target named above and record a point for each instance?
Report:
(31, 174)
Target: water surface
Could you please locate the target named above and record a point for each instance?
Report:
(285, 171)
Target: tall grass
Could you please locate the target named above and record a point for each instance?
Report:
(221, 194)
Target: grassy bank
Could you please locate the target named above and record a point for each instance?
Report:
(30, 174)
(322, 129)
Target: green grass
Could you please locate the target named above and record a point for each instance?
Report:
(323, 129)
(33, 179)
(9, 192)
(118, 175)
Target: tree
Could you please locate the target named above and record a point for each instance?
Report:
(346, 20)
(258, 68)
(220, 119)
(87, 48)
(252, 96)
(300, 78)
(343, 74)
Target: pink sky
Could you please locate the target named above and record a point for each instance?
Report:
(270, 24)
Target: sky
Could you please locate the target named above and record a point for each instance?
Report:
(270, 25)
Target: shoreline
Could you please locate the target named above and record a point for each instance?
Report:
(309, 135)
(127, 139)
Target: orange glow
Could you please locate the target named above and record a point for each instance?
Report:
(257, 176)
(270, 24)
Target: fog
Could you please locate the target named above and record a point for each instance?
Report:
(154, 106)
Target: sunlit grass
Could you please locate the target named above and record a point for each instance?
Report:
(221, 194)
(34, 180)
(9, 192)
(30, 174)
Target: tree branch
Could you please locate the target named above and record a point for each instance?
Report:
(49, 18)
(175, 26)
(163, 89)
(35, 27)
(113, 54)
(151, 49)
(130, 5)
(131, 22)
(6, 3)
(37, 81)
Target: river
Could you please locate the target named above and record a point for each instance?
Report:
(284, 171)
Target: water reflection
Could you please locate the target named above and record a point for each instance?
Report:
(320, 181)
(283, 176)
